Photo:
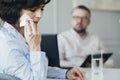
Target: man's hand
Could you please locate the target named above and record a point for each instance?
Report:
(76, 74)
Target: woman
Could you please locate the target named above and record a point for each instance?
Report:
(20, 52)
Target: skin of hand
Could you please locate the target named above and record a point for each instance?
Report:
(76, 74)
(32, 35)
(31, 31)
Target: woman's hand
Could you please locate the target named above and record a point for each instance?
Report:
(76, 74)
(32, 35)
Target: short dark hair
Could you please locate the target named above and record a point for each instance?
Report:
(10, 9)
(84, 8)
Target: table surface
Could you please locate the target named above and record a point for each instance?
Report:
(108, 74)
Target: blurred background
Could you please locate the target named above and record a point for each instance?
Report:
(105, 21)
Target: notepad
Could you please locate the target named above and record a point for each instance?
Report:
(88, 59)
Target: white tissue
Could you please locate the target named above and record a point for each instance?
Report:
(23, 19)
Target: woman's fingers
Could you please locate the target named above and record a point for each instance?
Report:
(82, 72)
(33, 27)
(76, 74)
(32, 35)
(27, 28)
(79, 74)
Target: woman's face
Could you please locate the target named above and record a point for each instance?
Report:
(35, 13)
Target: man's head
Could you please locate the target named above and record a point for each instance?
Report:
(80, 18)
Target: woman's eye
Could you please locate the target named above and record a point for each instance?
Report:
(33, 10)
(42, 9)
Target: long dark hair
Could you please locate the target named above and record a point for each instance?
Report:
(10, 9)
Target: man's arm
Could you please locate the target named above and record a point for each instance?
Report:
(61, 48)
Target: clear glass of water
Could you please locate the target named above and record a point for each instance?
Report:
(97, 63)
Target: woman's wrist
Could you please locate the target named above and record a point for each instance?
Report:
(68, 71)
(35, 48)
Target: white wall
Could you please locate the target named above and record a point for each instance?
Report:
(103, 23)
(106, 25)
(56, 16)
(49, 21)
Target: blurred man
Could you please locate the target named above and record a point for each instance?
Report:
(76, 44)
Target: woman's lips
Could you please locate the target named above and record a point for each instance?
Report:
(36, 22)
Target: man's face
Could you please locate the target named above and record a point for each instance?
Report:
(80, 19)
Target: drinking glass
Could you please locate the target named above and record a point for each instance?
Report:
(97, 65)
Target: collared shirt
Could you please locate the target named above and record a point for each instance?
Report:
(16, 58)
(73, 49)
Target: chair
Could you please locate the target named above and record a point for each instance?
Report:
(7, 77)
(50, 46)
